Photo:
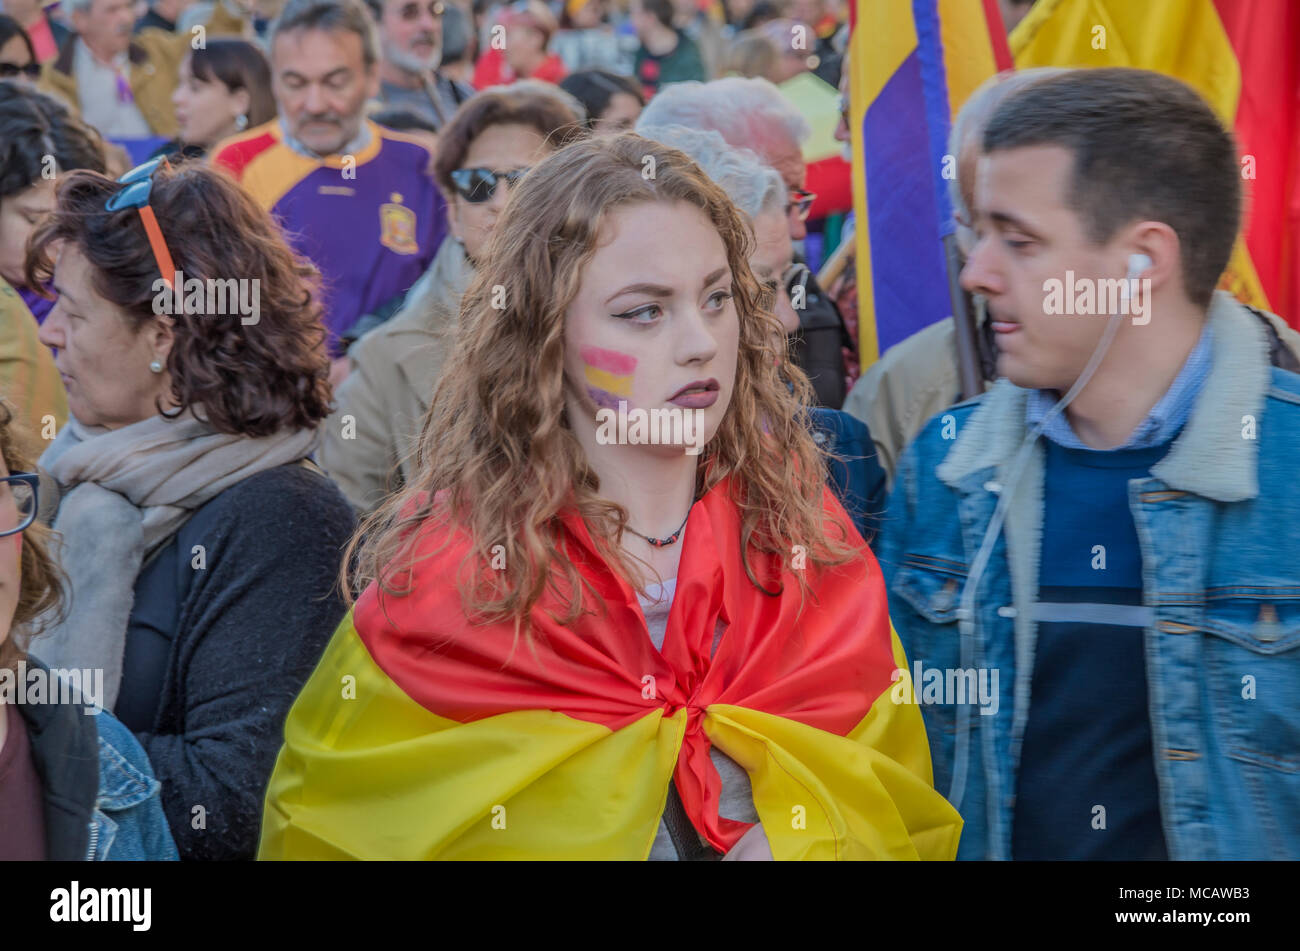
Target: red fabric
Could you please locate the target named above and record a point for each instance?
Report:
(493, 70)
(1266, 39)
(824, 667)
(42, 38)
(236, 156)
(1002, 59)
(831, 179)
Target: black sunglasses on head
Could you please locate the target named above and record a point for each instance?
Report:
(12, 70)
(477, 185)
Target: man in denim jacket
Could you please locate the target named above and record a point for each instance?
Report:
(1121, 679)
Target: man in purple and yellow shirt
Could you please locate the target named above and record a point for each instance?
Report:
(355, 199)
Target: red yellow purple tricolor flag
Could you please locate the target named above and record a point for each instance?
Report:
(1243, 57)
(422, 736)
(913, 64)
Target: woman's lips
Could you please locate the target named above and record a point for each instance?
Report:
(696, 399)
(1005, 327)
(700, 394)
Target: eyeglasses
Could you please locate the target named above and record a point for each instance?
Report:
(17, 502)
(801, 200)
(477, 185)
(12, 70)
(411, 11)
(139, 186)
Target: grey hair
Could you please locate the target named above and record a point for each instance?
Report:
(349, 16)
(974, 115)
(752, 186)
(748, 113)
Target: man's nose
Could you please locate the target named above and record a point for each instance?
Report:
(981, 275)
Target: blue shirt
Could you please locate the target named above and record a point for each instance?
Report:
(1161, 423)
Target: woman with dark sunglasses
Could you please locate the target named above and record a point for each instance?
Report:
(17, 55)
(493, 140)
(189, 338)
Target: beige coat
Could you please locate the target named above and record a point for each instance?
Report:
(916, 379)
(370, 439)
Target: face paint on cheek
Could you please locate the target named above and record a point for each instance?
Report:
(608, 375)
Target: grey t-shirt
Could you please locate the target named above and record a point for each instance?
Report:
(736, 801)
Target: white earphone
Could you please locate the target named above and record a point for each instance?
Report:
(1137, 263)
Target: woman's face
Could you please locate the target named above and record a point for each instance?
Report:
(620, 115)
(20, 213)
(11, 549)
(103, 362)
(498, 148)
(654, 323)
(15, 61)
(205, 108)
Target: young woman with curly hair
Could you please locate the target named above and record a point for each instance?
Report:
(580, 641)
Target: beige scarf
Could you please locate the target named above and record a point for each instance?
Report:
(124, 494)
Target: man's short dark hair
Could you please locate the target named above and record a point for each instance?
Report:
(1146, 147)
(350, 16)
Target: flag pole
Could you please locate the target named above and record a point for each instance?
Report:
(970, 377)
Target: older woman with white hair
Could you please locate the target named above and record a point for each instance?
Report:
(757, 190)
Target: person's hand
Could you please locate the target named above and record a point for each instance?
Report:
(752, 847)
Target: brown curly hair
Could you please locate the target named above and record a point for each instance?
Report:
(41, 581)
(251, 380)
(496, 440)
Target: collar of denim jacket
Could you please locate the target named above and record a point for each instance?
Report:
(1211, 456)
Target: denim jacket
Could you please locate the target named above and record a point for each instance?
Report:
(128, 822)
(101, 800)
(1218, 524)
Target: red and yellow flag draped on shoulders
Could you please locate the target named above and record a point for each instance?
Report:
(422, 735)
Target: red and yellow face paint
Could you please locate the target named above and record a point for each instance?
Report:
(608, 374)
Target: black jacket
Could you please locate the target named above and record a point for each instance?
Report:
(65, 751)
(229, 621)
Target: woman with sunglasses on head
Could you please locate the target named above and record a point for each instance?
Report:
(39, 140)
(74, 783)
(189, 338)
(493, 139)
(579, 644)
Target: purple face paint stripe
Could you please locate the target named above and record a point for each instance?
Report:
(604, 399)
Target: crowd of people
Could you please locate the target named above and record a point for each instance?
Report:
(318, 538)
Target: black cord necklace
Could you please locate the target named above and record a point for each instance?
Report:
(661, 542)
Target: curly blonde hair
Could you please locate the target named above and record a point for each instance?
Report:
(496, 456)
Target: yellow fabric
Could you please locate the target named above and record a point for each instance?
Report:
(1180, 38)
(366, 772)
(29, 382)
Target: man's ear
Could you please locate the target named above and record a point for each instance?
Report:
(372, 81)
(1160, 243)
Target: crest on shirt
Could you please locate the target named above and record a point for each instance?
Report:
(397, 226)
